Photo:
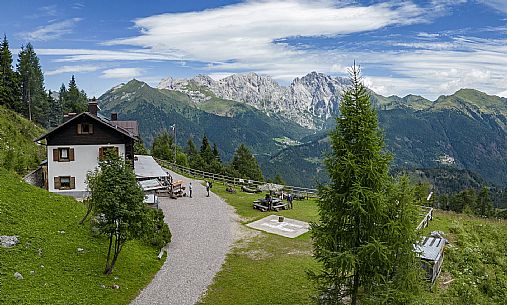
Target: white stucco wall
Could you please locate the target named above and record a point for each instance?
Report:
(85, 160)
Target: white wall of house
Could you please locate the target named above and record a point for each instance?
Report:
(85, 160)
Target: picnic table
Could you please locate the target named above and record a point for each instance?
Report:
(264, 205)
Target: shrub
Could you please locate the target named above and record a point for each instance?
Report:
(158, 233)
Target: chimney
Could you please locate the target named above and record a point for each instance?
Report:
(114, 116)
(92, 106)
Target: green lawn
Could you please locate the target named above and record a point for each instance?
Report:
(268, 269)
(265, 268)
(54, 271)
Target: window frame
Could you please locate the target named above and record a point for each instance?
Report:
(60, 154)
(80, 128)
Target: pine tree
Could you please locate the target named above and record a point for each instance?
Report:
(62, 97)
(10, 94)
(55, 110)
(190, 150)
(245, 164)
(194, 158)
(216, 154)
(206, 151)
(484, 206)
(359, 239)
(163, 147)
(75, 100)
(34, 99)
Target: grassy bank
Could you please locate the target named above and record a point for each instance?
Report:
(47, 256)
(270, 269)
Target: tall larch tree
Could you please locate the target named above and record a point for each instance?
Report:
(359, 239)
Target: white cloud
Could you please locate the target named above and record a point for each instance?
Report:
(52, 31)
(246, 32)
(72, 69)
(251, 36)
(122, 73)
(74, 55)
(500, 5)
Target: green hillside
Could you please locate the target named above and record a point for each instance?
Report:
(451, 133)
(17, 150)
(47, 255)
(226, 123)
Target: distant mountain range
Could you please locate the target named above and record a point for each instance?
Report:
(287, 126)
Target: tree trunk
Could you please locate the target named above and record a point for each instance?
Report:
(117, 249)
(108, 268)
(88, 211)
(355, 288)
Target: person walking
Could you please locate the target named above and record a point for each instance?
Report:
(190, 189)
(207, 188)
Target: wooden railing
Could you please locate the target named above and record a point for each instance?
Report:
(427, 214)
(234, 181)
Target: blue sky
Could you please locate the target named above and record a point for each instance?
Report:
(430, 47)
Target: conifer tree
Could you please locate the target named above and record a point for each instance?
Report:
(484, 206)
(245, 164)
(62, 96)
(359, 239)
(194, 158)
(75, 100)
(34, 99)
(216, 154)
(10, 95)
(190, 149)
(55, 110)
(163, 147)
(206, 151)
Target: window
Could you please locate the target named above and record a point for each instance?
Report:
(84, 128)
(65, 183)
(105, 150)
(63, 154)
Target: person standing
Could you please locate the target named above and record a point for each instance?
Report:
(190, 189)
(289, 199)
(207, 188)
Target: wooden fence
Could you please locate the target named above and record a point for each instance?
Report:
(233, 181)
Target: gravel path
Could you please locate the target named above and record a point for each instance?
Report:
(203, 230)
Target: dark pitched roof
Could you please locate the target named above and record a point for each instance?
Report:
(131, 126)
(98, 118)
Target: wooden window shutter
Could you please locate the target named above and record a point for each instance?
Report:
(101, 153)
(72, 183)
(57, 183)
(56, 155)
(79, 129)
(71, 154)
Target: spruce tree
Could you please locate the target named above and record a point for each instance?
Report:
(62, 98)
(10, 94)
(206, 151)
(359, 239)
(55, 110)
(245, 164)
(34, 99)
(163, 147)
(75, 100)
